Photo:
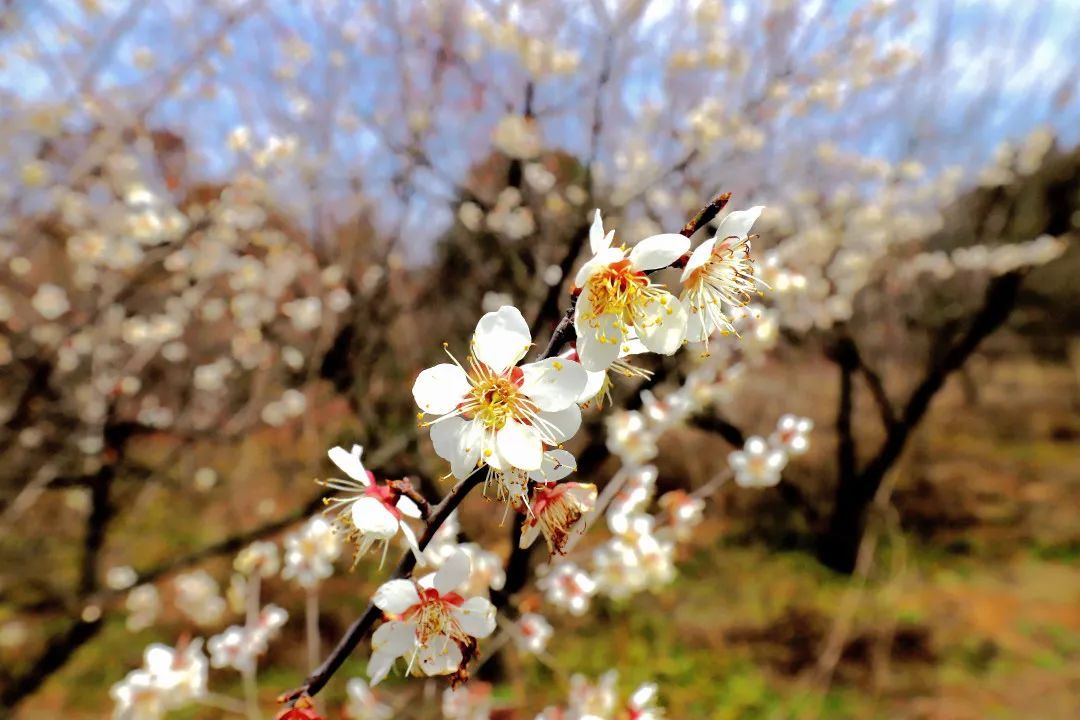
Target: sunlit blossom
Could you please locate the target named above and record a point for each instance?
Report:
(495, 413)
(429, 624)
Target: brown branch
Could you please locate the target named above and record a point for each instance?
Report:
(718, 425)
(59, 650)
(706, 214)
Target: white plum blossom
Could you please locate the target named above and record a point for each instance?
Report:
(589, 701)
(600, 701)
(616, 295)
(467, 702)
(557, 510)
(638, 486)
(362, 703)
(567, 586)
(720, 275)
(260, 557)
(758, 464)
(666, 413)
(169, 679)
(791, 434)
(238, 647)
(198, 596)
(532, 633)
(369, 513)
(428, 623)
(630, 437)
(487, 570)
(635, 559)
(143, 604)
(50, 301)
(495, 413)
(310, 553)
(684, 512)
(642, 704)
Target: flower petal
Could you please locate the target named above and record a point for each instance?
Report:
(553, 384)
(529, 532)
(407, 507)
(738, 223)
(453, 573)
(470, 445)
(440, 656)
(476, 616)
(446, 436)
(598, 338)
(349, 462)
(520, 445)
(697, 329)
(562, 425)
(379, 665)
(664, 327)
(597, 240)
(501, 339)
(410, 540)
(395, 596)
(394, 637)
(373, 518)
(658, 251)
(557, 465)
(593, 386)
(439, 389)
(699, 257)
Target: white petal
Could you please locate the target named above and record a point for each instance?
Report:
(446, 436)
(489, 449)
(697, 329)
(476, 616)
(593, 386)
(407, 507)
(658, 251)
(440, 656)
(349, 462)
(379, 665)
(394, 637)
(553, 384)
(631, 345)
(453, 573)
(410, 540)
(520, 446)
(439, 389)
(597, 240)
(664, 327)
(395, 596)
(467, 453)
(594, 354)
(557, 465)
(501, 338)
(563, 424)
(373, 518)
(738, 223)
(699, 257)
(584, 493)
(529, 532)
